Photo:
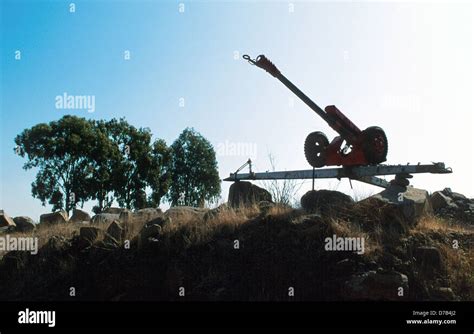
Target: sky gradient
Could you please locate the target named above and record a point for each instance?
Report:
(407, 68)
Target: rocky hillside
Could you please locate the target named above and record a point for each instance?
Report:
(401, 244)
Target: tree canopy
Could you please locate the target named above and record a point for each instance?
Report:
(61, 150)
(106, 161)
(194, 177)
(80, 160)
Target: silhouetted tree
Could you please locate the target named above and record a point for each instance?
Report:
(61, 150)
(105, 156)
(194, 175)
(81, 159)
(159, 175)
(141, 165)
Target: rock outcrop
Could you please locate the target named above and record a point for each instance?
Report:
(178, 213)
(246, 255)
(244, 193)
(126, 216)
(149, 234)
(6, 221)
(377, 285)
(410, 203)
(147, 214)
(325, 201)
(105, 218)
(115, 231)
(24, 224)
(113, 210)
(89, 233)
(79, 216)
(449, 204)
(150, 231)
(58, 217)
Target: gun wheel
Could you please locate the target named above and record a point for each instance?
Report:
(375, 145)
(315, 149)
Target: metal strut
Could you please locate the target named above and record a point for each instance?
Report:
(366, 174)
(248, 163)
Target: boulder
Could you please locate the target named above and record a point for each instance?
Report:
(376, 285)
(55, 248)
(126, 216)
(453, 195)
(184, 213)
(147, 214)
(325, 201)
(149, 234)
(458, 197)
(24, 224)
(89, 233)
(428, 258)
(150, 231)
(439, 200)
(443, 294)
(244, 193)
(105, 218)
(6, 221)
(115, 211)
(79, 216)
(58, 217)
(452, 205)
(116, 231)
(410, 203)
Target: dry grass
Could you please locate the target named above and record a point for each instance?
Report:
(132, 229)
(460, 270)
(459, 262)
(193, 226)
(228, 220)
(195, 230)
(196, 247)
(280, 210)
(44, 233)
(372, 243)
(432, 223)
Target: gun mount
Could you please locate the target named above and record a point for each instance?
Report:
(353, 147)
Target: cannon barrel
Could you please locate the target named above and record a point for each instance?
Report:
(342, 125)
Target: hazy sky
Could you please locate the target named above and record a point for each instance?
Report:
(405, 67)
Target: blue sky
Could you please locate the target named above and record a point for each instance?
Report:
(405, 67)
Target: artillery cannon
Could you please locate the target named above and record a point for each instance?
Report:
(352, 147)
